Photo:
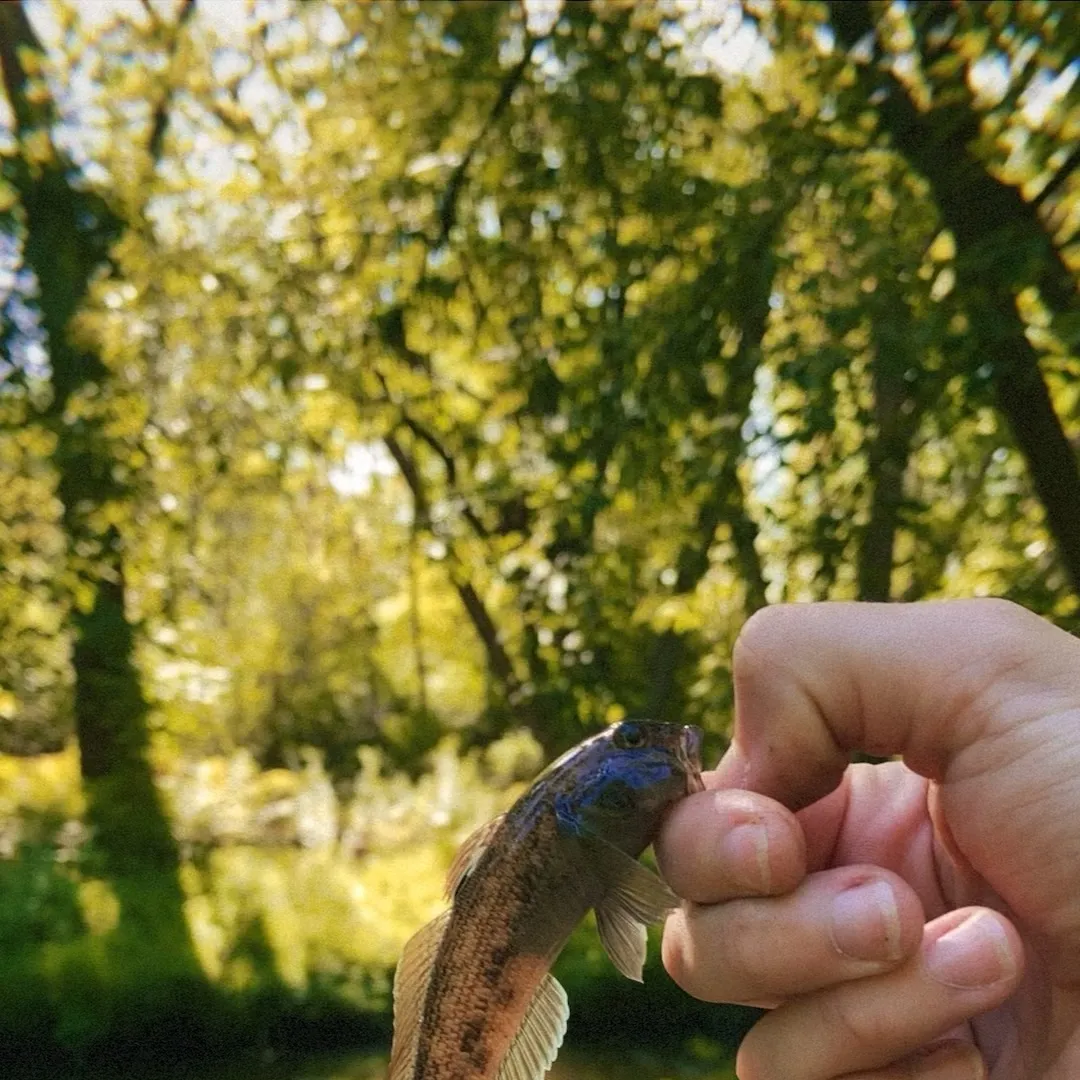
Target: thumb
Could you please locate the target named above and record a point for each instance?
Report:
(927, 681)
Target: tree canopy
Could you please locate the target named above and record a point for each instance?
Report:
(378, 377)
(462, 366)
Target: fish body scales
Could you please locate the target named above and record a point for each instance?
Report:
(508, 924)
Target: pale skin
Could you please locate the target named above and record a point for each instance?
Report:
(915, 919)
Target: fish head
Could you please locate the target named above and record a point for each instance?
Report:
(620, 783)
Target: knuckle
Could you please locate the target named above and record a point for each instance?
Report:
(763, 652)
(1014, 649)
(1016, 631)
(998, 609)
(1015, 635)
(850, 1023)
(740, 947)
(761, 636)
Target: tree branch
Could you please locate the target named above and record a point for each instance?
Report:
(448, 208)
(498, 659)
(976, 205)
(1059, 179)
(422, 512)
(161, 111)
(427, 436)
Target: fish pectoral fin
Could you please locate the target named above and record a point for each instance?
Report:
(644, 895)
(624, 939)
(540, 1035)
(635, 897)
(410, 988)
(469, 854)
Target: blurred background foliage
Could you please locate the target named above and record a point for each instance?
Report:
(392, 393)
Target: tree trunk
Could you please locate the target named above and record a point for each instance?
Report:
(998, 237)
(67, 234)
(725, 503)
(896, 416)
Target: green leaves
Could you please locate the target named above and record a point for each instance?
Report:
(657, 339)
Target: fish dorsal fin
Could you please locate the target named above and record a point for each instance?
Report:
(410, 988)
(469, 854)
(540, 1035)
(635, 898)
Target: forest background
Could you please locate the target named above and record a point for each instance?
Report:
(393, 393)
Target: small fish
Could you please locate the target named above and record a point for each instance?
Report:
(473, 996)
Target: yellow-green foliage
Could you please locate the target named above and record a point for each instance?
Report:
(318, 911)
(354, 900)
(288, 879)
(38, 793)
(47, 784)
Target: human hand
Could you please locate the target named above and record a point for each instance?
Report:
(912, 919)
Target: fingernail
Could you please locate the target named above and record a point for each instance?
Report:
(975, 953)
(747, 849)
(949, 1058)
(866, 922)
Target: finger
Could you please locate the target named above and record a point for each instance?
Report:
(878, 814)
(838, 925)
(716, 845)
(970, 961)
(954, 1060)
(815, 681)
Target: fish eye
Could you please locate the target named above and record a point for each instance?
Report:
(630, 736)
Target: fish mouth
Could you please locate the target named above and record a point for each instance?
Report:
(690, 757)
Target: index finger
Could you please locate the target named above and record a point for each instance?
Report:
(927, 681)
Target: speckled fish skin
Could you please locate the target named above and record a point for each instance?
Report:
(540, 868)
